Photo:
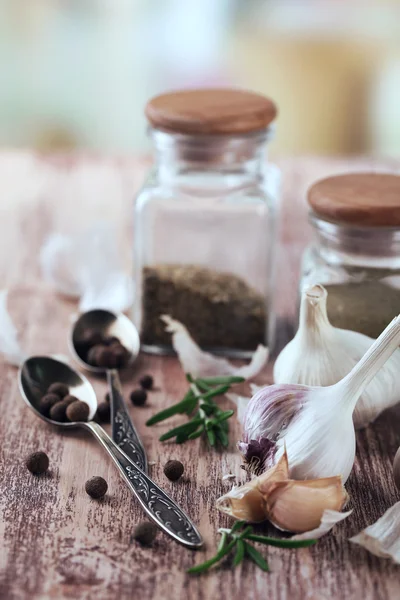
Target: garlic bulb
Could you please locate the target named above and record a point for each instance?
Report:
(296, 506)
(322, 355)
(315, 423)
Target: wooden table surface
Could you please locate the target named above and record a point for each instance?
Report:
(58, 543)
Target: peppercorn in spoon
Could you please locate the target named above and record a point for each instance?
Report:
(36, 375)
(102, 341)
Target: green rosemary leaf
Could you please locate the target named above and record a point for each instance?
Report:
(237, 525)
(203, 387)
(181, 438)
(222, 437)
(227, 380)
(196, 434)
(218, 391)
(209, 409)
(211, 437)
(280, 543)
(224, 415)
(246, 532)
(239, 555)
(212, 561)
(186, 428)
(256, 557)
(175, 409)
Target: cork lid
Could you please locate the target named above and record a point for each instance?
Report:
(366, 199)
(212, 112)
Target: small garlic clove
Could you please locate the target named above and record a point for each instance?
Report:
(329, 519)
(204, 364)
(246, 502)
(383, 537)
(298, 506)
(396, 469)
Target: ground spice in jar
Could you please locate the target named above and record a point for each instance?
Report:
(366, 307)
(219, 309)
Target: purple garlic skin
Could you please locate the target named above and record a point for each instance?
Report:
(269, 412)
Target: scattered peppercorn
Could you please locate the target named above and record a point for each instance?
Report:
(96, 487)
(103, 412)
(146, 382)
(107, 398)
(46, 402)
(58, 388)
(37, 463)
(138, 397)
(145, 533)
(77, 411)
(58, 411)
(173, 469)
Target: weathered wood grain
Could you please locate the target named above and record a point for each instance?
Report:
(58, 543)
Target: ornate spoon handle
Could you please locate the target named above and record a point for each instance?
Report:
(123, 431)
(155, 502)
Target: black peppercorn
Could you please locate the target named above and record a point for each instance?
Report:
(37, 463)
(96, 487)
(138, 397)
(145, 533)
(107, 398)
(77, 411)
(70, 399)
(173, 469)
(103, 412)
(111, 340)
(91, 337)
(121, 355)
(46, 402)
(146, 382)
(92, 355)
(58, 411)
(58, 388)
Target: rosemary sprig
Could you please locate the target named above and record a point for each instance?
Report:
(237, 538)
(206, 418)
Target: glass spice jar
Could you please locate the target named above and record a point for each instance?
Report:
(356, 249)
(204, 222)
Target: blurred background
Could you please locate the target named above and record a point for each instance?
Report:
(77, 73)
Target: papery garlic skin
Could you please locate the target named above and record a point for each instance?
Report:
(315, 423)
(321, 355)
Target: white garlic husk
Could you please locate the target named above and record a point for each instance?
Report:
(322, 355)
(315, 423)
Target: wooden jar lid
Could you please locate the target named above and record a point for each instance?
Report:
(208, 112)
(366, 199)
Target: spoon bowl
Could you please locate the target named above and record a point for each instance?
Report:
(39, 372)
(108, 324)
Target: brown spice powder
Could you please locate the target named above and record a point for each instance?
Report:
(220, 310)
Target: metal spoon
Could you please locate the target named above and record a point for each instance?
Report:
(108, 323)
(35, 376)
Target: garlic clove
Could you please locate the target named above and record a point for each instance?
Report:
(329, 519)
(204, 364)
(383, 537)
(246, 503)
(298, 506)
